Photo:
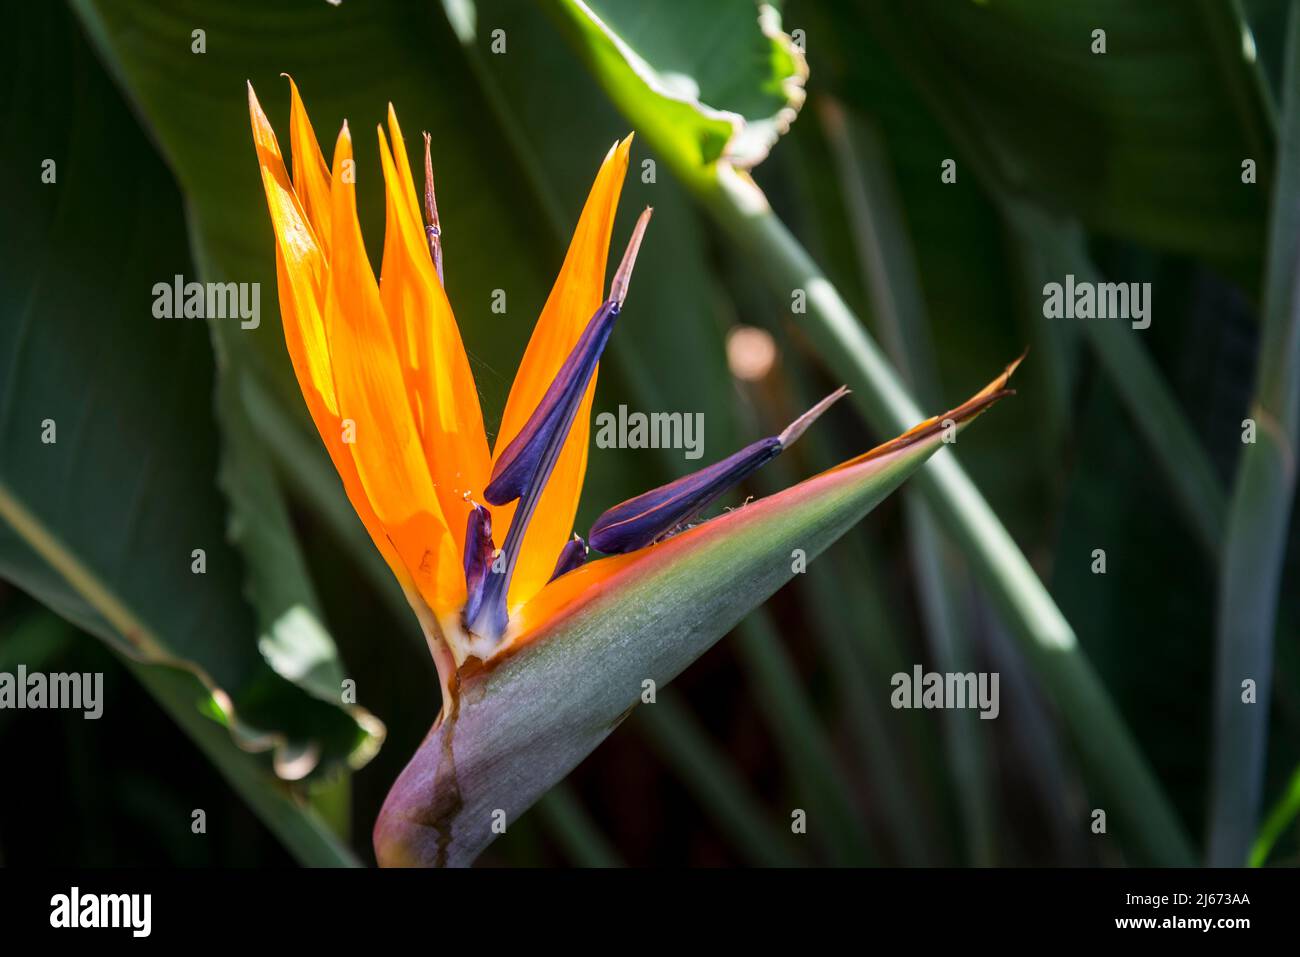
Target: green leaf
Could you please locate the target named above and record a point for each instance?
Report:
(750, 79)
(106, 487)
(527, 717)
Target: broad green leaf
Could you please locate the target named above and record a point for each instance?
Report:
(722, 87)
(526, 718)
(111, 514)
(1145, 141)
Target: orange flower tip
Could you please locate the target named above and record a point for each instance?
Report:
(800, 425)
(618, 288)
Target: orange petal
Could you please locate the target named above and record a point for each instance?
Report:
(311, 175)
(435, 366)
(371, 390)
(577, 293)
(301, 274)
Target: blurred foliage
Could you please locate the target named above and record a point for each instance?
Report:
(1125, 165)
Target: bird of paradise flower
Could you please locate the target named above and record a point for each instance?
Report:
(540, 652)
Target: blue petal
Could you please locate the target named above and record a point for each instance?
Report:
(531, 455)
(640, 521)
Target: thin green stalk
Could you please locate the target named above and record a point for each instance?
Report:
(1279, 819)
(833, 817)
(1114, 765)
(573, 827)
(965, 740)
(1259, 516)
(707, 773)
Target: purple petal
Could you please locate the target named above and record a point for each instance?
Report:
(572, 555)
(478, 557)
(643, 520)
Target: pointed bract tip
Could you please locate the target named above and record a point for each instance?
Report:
(800, 425)
(618, 288)
(1000, 383)
(430, 199)
(621, 148)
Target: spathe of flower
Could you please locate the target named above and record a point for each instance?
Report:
(540, 653)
